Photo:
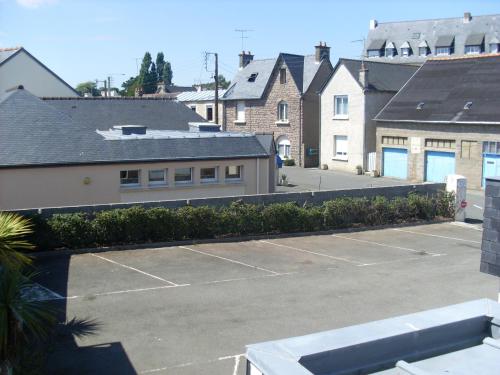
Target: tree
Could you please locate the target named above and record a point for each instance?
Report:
(223, 84)
(160, 63)
(167, 74)
(12, 230)
(147, 80)
(88, 87)
(129, 86)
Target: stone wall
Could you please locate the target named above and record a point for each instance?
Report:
(315, 198)
(490, 248)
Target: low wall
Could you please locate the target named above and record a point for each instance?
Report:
(314, 198)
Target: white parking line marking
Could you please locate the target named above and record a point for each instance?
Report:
(40, 293)
(396, 261)
(312, 252)
(389, 246)
(246, 278)
(135, 269)
(436, 235)
(466, 225)
(475, 205)
(229, 260)
(186, 364)
(128, 291)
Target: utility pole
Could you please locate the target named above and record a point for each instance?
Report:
(216, 77)
(105, 86)
(109, 86)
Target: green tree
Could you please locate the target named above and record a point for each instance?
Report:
(223, 84)
(129, 86)
(88, 87)
(12, 230)
(167, 73)
(147, 79)
(160, 63)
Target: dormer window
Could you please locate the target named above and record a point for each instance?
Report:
(423, 49)
(253, 77)
(445, 45)
(474, 44)
(494, 47)
(420, 105)
(376, 48)
(467, 105)
(406, 49)
(390, 50)
(374, 53)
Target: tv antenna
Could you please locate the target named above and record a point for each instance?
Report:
(363, 41)
(243, 36)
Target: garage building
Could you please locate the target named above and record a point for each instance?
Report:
(445, 120)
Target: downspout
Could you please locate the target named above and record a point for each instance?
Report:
(300, 129)
(319, 134)
(258, 176)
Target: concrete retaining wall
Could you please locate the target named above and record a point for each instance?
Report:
(315, 198)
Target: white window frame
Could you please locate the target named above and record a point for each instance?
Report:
(128, 184)
(443, 51)
(163, 182)
(184, 182)
(423, 51)
(240, 170)
(373, 53)
(405, 52)
(472, 50)
(240, 111)
(284, 147)
(210, 180)
(342, 111)
(494, 48)
(340, 153)
(390, 52)
(283, 111)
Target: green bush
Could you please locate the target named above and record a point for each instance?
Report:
(289, 162)
(138, 224)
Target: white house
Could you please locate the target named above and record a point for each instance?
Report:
(350, 99)
(20, 68)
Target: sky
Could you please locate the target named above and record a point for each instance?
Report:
(85, 40)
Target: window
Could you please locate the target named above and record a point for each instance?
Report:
(184, 175)
(390, 52)
(210, 113)
(208, 174)
(253, 77)
(467, 147)
(282, 76)
(130, 177)
(491, 147)
(233, 172)
(398, 141)
(494, 47)
(284, 147)
(374, 53)
(405, 52)
(341, 106)
(157, 176)
(467, 105)
(193, 108)
(340, 142)
(440, 143)
(440, 51)
(472, 50)
(423, 51)
(283, 111)
(240, 111)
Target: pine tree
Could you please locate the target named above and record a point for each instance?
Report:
(160, 63)
(167, 74)
(143, 73)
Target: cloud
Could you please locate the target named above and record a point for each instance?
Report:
(33, 4)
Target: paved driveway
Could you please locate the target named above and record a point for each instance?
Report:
(192, 309)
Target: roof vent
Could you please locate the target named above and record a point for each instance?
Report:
(468, 105)
(252, 77)
(203, 127)
(131, 129)
(373, 24)
(420, 105)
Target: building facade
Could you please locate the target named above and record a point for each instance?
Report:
(19, 67)
(416, 41)
(203, 103)
(451, 127)
(280, 96)
(350, 99)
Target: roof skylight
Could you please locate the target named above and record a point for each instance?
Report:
(252, 77)
(420, 105)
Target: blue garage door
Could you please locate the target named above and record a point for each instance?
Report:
(395, 162)
(491, 166)
(438, 165)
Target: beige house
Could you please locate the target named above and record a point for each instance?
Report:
(203, 103)
(53, 157)
(19, 67)
(353, 95)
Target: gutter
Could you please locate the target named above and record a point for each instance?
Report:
(441, 122)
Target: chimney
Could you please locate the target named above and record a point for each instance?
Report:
(245, 58)
(467, 17)
(373, 24)
(322, 52)
(363, 76)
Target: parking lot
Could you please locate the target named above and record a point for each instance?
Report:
(192, 309)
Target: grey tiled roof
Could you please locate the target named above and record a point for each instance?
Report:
(381, 76)
(34, 132)
(302, 68)
(5, 53)
(430, 31)
(445, 86)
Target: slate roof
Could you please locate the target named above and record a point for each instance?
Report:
(34, 132)
(5, 53)
(430, 31)
(445, 86)
(199, 96)
(381, 76)
(302, 68)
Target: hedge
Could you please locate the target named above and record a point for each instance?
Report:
(140, 225)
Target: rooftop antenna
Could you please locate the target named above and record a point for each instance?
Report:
(363, 40)
(243, 36)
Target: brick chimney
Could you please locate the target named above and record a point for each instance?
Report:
(467, 17)
(245, 58)
(373, 24)
(322, 52)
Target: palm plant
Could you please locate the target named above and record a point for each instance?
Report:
(13, 229)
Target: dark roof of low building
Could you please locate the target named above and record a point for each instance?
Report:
(302, 68)
(381, 76)
(35, 132)
(460, 90)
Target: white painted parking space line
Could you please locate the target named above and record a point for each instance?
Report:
(128, 291)
(236, 358)
(397, 261)
(229, 260)
(466, 225)
(423, 252)
(135, 269)
(313, 252)
(38, 292)
(475, 205)
(436, 235)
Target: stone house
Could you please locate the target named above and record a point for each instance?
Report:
(354, 94)
(445, 120)
(280, 96)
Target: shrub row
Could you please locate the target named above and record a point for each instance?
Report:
(140, 225)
